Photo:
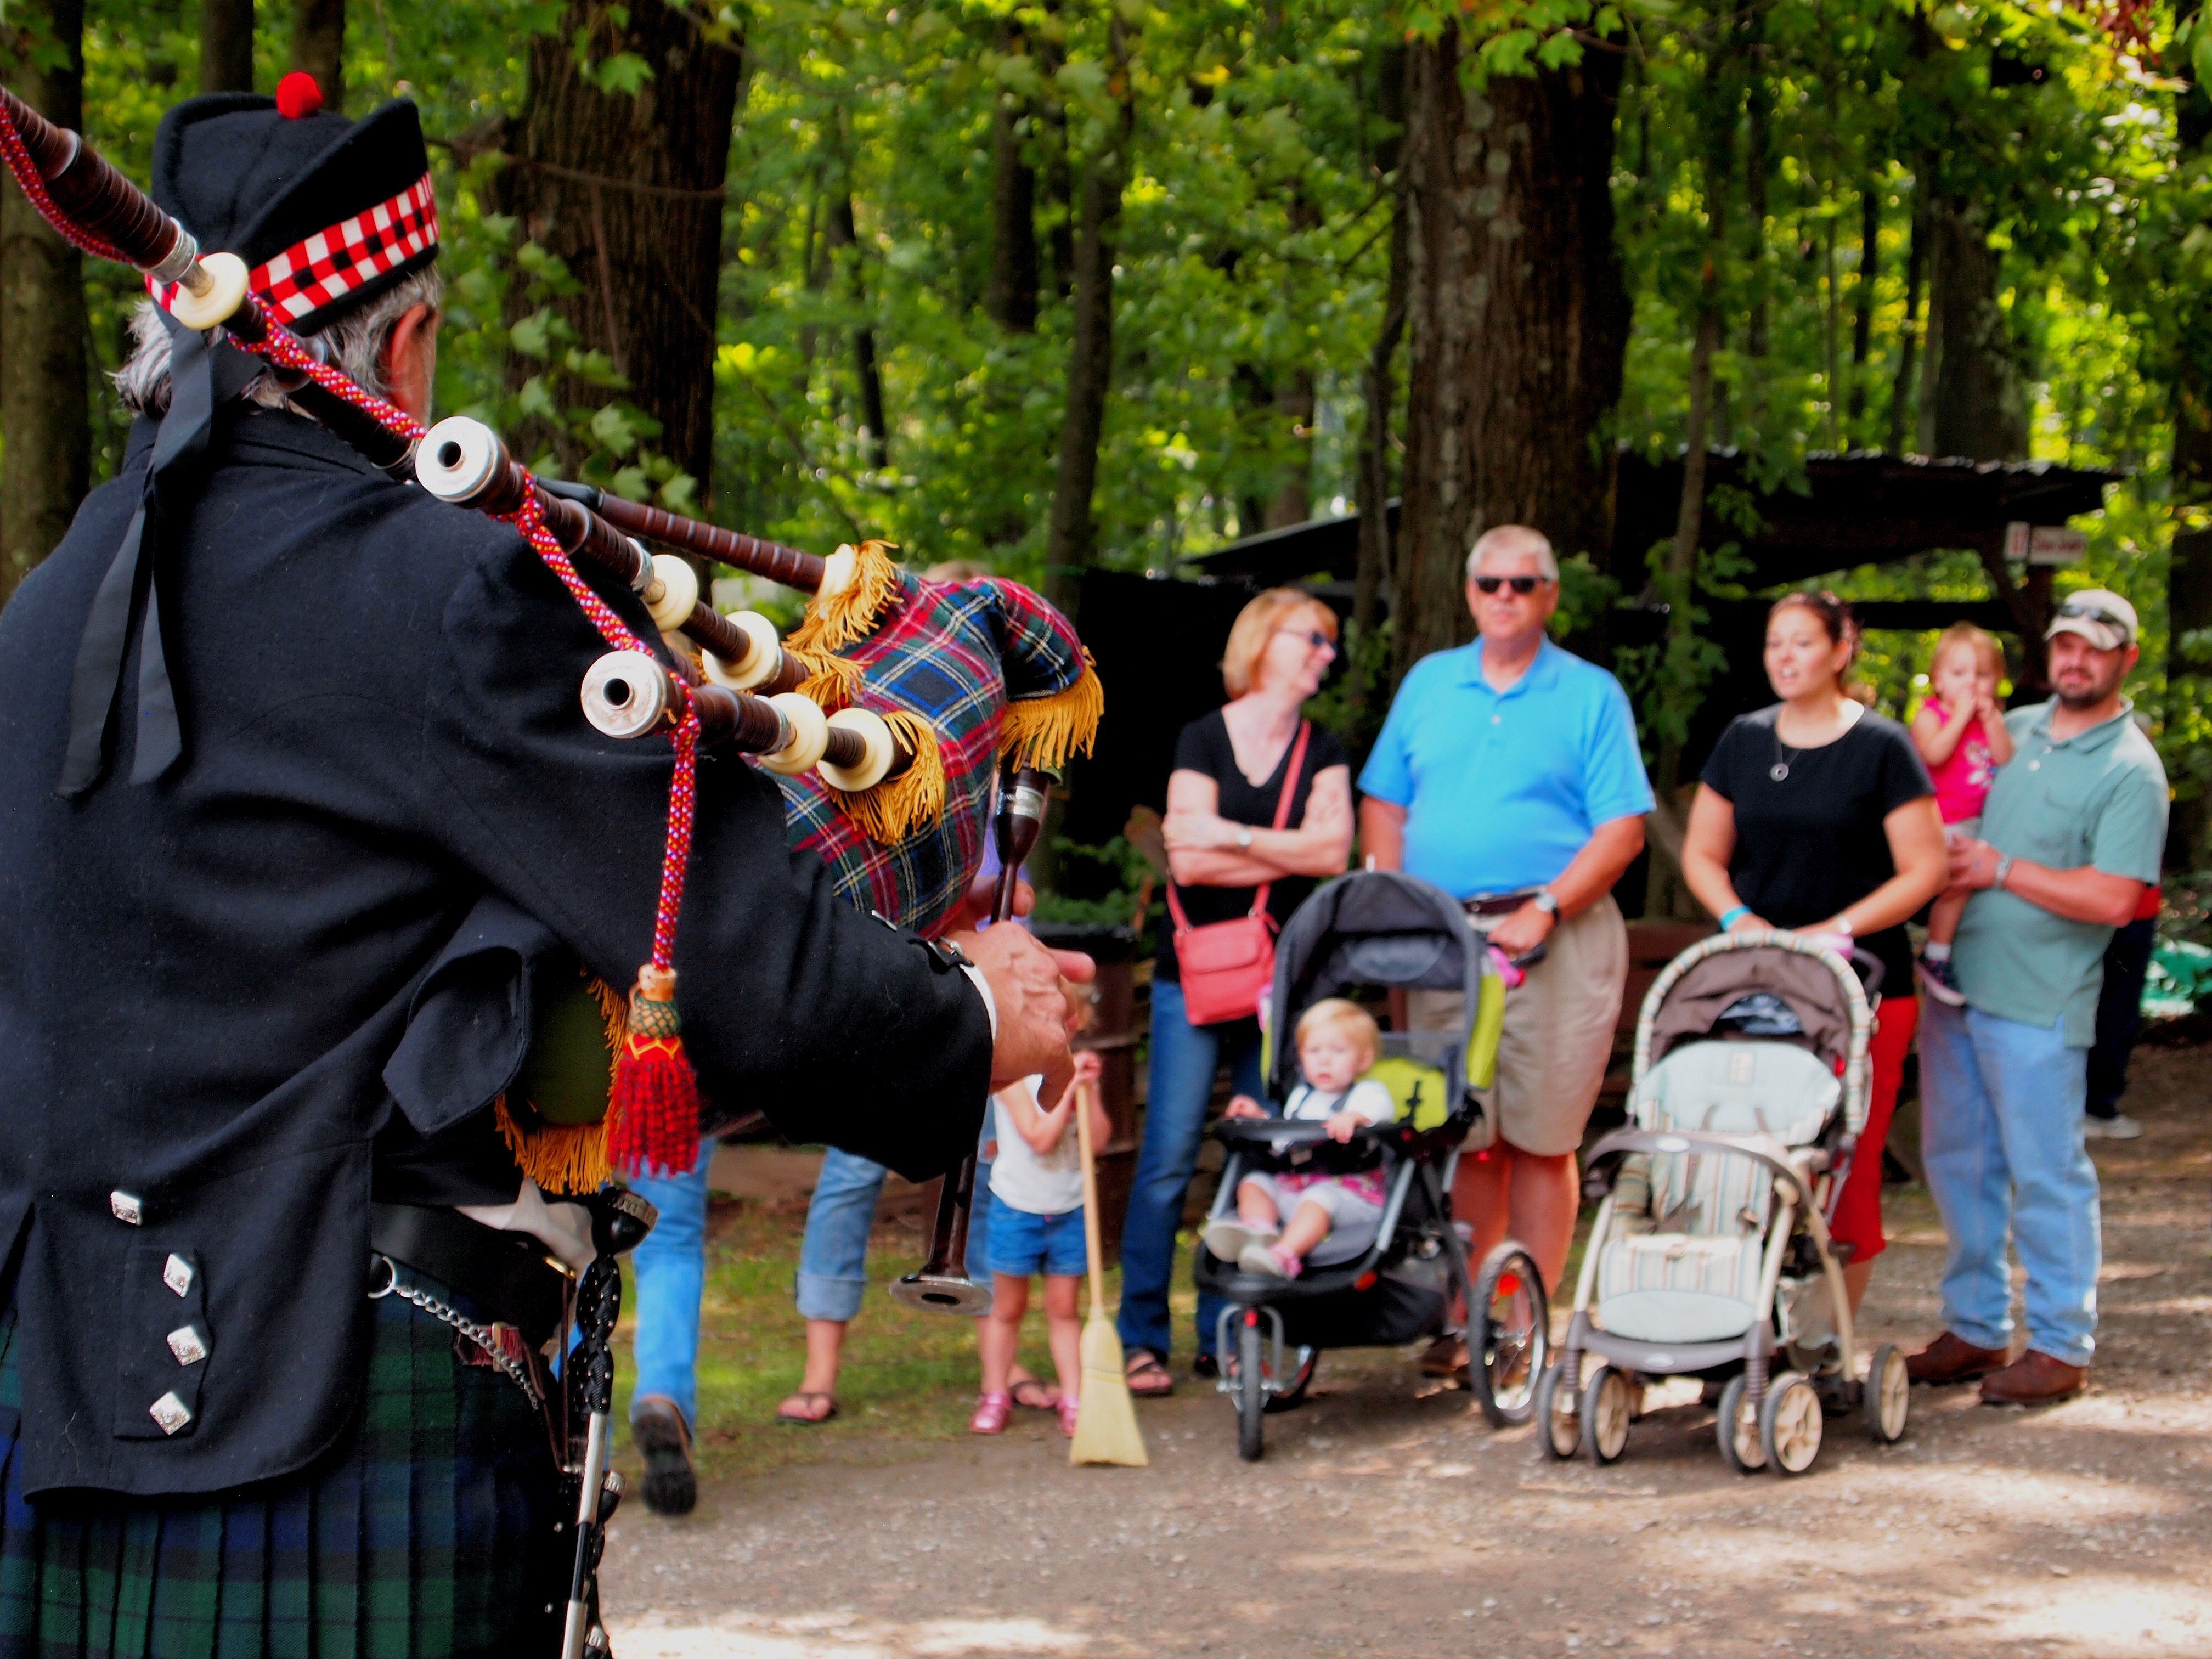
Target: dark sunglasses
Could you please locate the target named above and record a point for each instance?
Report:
(1313, 637)
(1519, 584)
(2096, 614)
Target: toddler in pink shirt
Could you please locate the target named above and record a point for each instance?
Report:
(1960, 733)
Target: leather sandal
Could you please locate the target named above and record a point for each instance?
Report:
(806, 1417)
(1032, 1396)
(1148, 1379)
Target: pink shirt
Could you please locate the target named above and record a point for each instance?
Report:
(1962, 782)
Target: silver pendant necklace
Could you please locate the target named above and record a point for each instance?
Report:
(1780, 769)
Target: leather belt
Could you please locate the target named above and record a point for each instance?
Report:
(1496, 904)
(506, 1272)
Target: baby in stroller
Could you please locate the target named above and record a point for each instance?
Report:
(1338, 1041)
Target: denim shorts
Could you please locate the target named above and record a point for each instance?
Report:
(1021, 1243)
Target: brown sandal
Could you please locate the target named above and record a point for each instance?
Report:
(805, 1416)
(1032, 1396)
(1445, 1357)
(1144, 1366)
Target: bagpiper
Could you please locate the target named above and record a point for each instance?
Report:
(303, 837)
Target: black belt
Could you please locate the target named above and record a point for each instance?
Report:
(508, 1273)
(1497, 904)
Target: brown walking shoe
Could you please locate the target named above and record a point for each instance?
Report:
(1951, 1359)
(2034, 1379)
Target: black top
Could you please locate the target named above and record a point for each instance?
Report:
(1811, 843)
(321, 933)
(1205, 747)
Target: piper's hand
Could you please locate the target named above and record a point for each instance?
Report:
(1342, 1124)
(975, 909)
(1524, 930)
(1244, 1106)
(1033, 1027)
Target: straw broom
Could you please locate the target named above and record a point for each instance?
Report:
(1105, 1417)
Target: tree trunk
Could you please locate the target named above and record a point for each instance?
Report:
(1010, 298)
(1980, 410)
(628, 191)
(1294, 406)
(2189, 564)
(226, 45)
(844, 233)
(1862, 303)
(46, 465)
(1071, 531)
(1759, 101)
(1908, 333)
(318, 47)
(1520, 324)
(1378, 389)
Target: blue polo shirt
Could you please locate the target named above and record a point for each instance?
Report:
(1501, 789)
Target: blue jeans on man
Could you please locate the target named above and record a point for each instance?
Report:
(833, 1256)
(1185, 1058)
(2001, 1140)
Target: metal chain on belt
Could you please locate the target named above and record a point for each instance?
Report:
(481, 1335)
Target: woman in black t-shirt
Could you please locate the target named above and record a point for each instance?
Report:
(1230, 769)
(1817, 815)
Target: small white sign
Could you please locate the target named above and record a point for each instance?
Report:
(2044, 544)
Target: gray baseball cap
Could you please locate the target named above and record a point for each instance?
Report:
(2099, 616)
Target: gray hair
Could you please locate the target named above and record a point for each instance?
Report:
(355, 340)
(1514, 541)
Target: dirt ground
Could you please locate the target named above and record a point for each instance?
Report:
(1386, 1519)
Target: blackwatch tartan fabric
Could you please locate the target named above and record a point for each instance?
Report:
(953, 653)
(429, 1531)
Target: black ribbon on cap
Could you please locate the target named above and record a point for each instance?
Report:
(201, 378)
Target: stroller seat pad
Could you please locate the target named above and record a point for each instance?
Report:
(1775, 1089)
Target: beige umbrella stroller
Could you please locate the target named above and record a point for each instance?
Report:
(1711, 1256)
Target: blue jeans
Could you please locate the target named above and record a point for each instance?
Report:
(1185, 1058)
(669, 1268)
(832, 1258)
(2001, 1137)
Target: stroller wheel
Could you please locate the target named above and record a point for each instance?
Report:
(1789, 1423)
(1509, 1335)
(1250, 1392)
(1292, 1393)
(1887, 1395)
(1557, 1431)
(1737, 1430)
(1609, 1406)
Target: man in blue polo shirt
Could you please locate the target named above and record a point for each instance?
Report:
(1509, 774)
(2072, 832)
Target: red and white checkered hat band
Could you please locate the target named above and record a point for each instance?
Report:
(323, 270)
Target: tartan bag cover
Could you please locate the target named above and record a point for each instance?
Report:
(955, 654)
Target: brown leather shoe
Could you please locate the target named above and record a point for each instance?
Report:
(2034, 1379)
(1951, 1359)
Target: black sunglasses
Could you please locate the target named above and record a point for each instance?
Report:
(1313, 637)
(2096, 614)
(1519, 584)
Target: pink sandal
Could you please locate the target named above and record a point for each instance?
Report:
(1067, 1415)
(992, 1410)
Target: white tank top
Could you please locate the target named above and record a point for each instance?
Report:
(1048, 1185)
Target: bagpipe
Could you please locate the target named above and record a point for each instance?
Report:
(887, 716)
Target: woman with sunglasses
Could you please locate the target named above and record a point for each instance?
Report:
(1235, 769)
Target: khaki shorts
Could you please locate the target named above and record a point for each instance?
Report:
(1559, 1031)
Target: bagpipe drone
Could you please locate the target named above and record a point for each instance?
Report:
(887, 716)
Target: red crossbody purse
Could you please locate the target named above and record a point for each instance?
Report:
(1226, 966)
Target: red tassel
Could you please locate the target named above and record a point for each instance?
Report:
(653, 1115)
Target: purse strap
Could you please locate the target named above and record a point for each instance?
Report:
(1282, 816)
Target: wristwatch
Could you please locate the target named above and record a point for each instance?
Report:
(1843, 926)
(2004, 868)
(1243, 837)
(1546, 900)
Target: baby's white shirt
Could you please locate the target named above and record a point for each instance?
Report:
(1367, 1097)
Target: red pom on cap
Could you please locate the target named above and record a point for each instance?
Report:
(297, 95)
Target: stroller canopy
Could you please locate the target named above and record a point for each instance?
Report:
(1372, 928)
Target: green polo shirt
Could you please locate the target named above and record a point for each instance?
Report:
(2098, 798)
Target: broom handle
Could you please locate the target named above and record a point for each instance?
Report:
(1085, 1096)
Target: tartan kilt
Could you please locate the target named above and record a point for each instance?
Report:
(428, 1530)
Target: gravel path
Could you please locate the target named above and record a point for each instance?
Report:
(1387, 1520)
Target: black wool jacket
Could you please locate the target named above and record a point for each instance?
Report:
(205, 981)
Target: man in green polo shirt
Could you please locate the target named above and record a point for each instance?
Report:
(2073, 827)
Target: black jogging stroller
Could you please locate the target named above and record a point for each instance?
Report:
(1369, 930)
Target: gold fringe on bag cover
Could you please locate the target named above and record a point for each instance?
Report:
(897, 807)
(561, 1158)
(832, 680)
(833, 620)
(1049, 731)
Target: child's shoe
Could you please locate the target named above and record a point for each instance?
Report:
(992, 1410)
(1229, 1238)
(1067, 1415)
(1938, 980)
(1267, 1258)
